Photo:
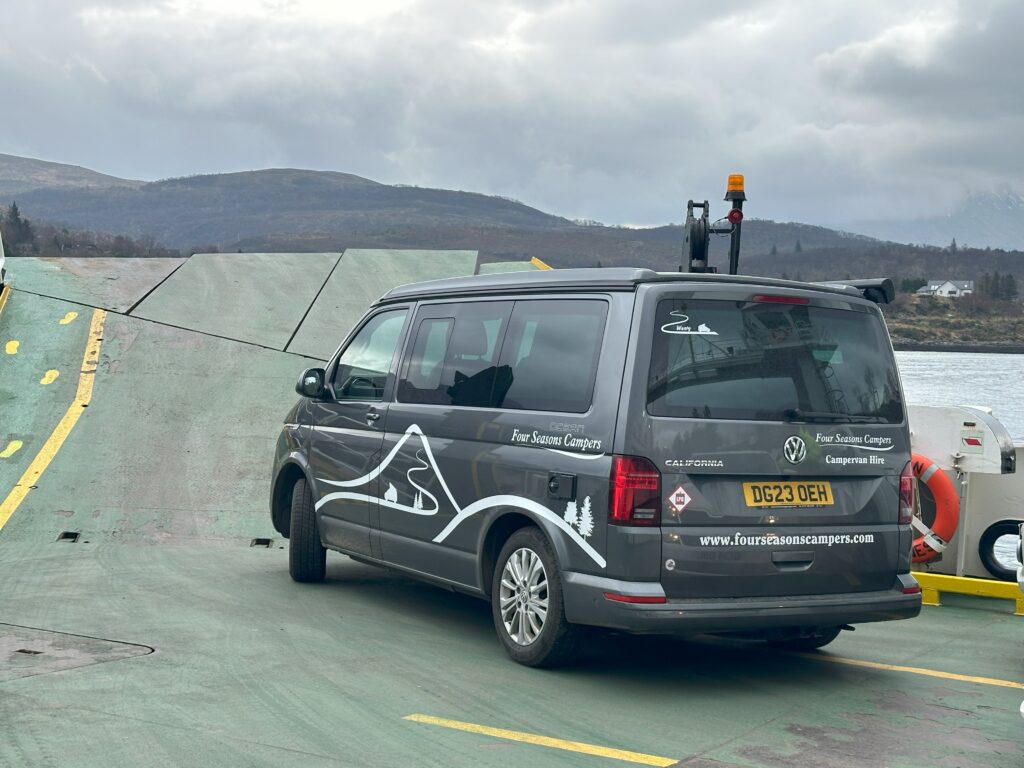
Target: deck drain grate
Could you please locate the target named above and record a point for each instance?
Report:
(261, 543)
(28, 651)
(69, 536)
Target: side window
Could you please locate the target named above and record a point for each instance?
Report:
(454, 357)
(362, 370)
(552, 350)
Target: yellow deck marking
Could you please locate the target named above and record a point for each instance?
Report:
(11, 347)
(546, 741)
(4, 294)
(60, 433)
(12, 448)
(915, 671)
(538, 263)
(49, 377)
(68, 318)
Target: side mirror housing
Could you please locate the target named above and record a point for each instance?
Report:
(312, 383)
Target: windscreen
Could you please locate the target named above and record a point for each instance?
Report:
(769, 361)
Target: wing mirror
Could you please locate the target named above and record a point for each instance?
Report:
(311, 383)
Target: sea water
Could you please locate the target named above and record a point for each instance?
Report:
(995, 381)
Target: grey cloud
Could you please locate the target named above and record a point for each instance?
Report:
(611, 110)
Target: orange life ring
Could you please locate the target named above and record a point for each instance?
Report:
(934, 540)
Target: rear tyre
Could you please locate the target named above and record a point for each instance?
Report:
(527, 604)
(818, 638)
(307, 558)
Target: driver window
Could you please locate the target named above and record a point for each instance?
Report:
(363, 367)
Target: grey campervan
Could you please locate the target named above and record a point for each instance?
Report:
(670, 453)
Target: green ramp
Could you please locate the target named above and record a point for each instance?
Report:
(363, 276)
(259, 298)
(109, 283)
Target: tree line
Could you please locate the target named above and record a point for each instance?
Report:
(22, 237)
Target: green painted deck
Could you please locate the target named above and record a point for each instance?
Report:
(115, 284)
(165, 478)
(362, 277)
(260, 298)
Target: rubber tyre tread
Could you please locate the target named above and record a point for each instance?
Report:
(559, 640)
(986, 548)
(307, 558)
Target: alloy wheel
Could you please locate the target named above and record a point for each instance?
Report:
(524, 596)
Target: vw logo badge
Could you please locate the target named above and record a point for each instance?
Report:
(795, 450)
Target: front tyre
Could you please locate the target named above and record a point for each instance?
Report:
(307, 559)
(527, 604)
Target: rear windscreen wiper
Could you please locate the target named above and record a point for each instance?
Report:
(795, 414)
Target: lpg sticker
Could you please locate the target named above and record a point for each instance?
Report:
(682, 326)
(679, 499)
(972, 441)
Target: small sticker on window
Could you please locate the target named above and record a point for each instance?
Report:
(683, 327)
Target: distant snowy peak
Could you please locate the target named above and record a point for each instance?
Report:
(982, 219)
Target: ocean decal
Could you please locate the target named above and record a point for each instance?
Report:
(422, 502)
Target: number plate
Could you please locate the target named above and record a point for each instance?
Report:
(788, 493)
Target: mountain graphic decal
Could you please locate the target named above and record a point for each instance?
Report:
(419, 501)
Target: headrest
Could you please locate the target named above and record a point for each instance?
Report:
(469, 339)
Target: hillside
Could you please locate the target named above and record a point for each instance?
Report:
(289, 209)
(301, 210)
(19, 175)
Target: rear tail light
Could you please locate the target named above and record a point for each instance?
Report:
(635, 497)
(908, 494)
(914, 590)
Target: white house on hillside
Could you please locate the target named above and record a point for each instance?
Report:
(947, 288)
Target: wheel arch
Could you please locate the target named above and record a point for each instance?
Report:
(502, 524)
(288, 473)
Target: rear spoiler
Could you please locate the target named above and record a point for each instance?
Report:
(880, 290)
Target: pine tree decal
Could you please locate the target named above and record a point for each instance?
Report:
(391, 494)
(418, 502)
(570, 513)
(586, 522)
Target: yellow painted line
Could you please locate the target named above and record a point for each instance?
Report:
(546, 741)
(914, 671)
(3, 295)
(12, 448)
(49, 377)
(60, 433)
(538, 263)
(68, 318)
(934, 584)
(11, 347)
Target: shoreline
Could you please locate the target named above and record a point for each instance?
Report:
(1008, 348)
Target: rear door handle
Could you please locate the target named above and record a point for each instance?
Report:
(372, 415)
(793, 561)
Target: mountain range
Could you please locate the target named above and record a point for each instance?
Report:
(302, 210)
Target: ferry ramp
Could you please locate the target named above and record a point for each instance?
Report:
(140, 626)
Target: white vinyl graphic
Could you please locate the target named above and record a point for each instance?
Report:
(425, 503)
(682, 326)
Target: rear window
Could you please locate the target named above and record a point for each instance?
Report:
(716, 359)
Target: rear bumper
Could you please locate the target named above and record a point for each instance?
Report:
(585, 603)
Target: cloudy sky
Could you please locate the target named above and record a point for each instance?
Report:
(610, 110)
